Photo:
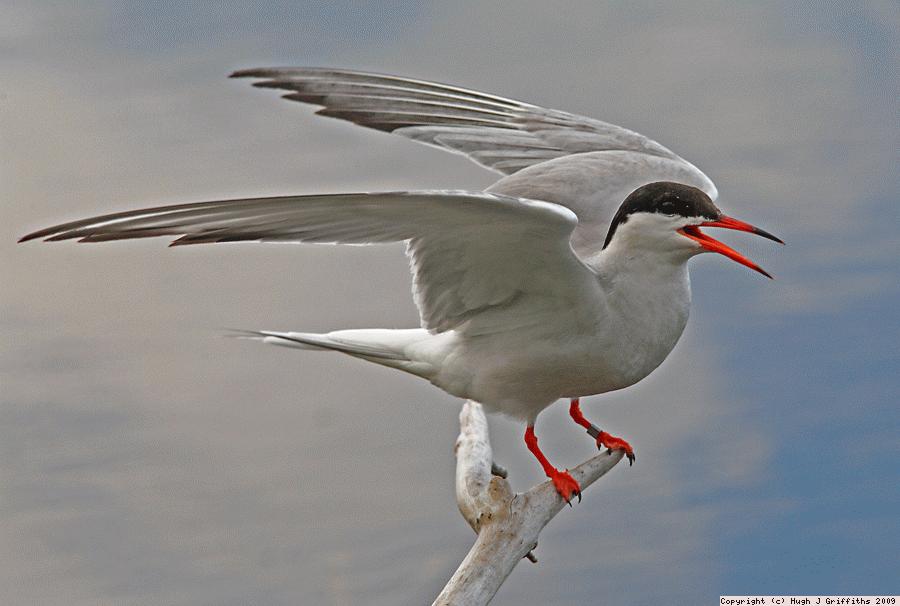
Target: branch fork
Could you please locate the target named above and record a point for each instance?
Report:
(507, 523)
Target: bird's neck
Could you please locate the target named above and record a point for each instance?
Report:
(647, 295)
(627, 266)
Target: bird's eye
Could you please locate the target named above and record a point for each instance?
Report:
(667, 207)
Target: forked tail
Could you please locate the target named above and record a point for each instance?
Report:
(379, 345)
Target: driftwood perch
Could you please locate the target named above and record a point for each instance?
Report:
(507, 523)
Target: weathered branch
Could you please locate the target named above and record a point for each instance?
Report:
(508, 524)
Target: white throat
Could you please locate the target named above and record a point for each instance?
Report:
(643, 283)
(647, 299)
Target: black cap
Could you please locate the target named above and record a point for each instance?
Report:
(665, 198)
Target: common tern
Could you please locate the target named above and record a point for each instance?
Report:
(567, 277)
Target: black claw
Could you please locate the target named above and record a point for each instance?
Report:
(579, 497)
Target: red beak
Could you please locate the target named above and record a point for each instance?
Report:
(693, 232)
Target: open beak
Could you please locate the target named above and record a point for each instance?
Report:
(693, 232)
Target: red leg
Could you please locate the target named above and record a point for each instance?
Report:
(603, 439)
(575, 413)
(565, 484)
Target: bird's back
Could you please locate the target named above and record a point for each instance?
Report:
(593, 185)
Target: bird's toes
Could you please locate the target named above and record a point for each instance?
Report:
(566, 486)
(613, 443)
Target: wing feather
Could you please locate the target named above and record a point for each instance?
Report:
(469, 251)
(431, 113)
(586, 165)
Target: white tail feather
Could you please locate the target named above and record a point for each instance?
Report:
(382, 346)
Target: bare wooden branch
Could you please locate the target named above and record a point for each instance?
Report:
(508, 524)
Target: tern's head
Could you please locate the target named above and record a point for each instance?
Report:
(666, 218)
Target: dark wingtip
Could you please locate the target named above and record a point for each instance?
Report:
(192, 239)
(255, 72)
(45, 234)
(41, 233)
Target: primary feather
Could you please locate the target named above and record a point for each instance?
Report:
(586, 165)
(469, 251)
(501, 134)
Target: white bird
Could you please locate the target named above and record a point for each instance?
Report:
(533, 290)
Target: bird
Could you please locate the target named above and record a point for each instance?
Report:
(565, 278)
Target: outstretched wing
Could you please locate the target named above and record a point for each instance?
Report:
(586, 165)
(470, 251)
(501, 134)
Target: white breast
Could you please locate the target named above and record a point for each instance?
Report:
(633, 325)
(645, 318)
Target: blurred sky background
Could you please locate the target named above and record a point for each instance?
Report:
(144, 459)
